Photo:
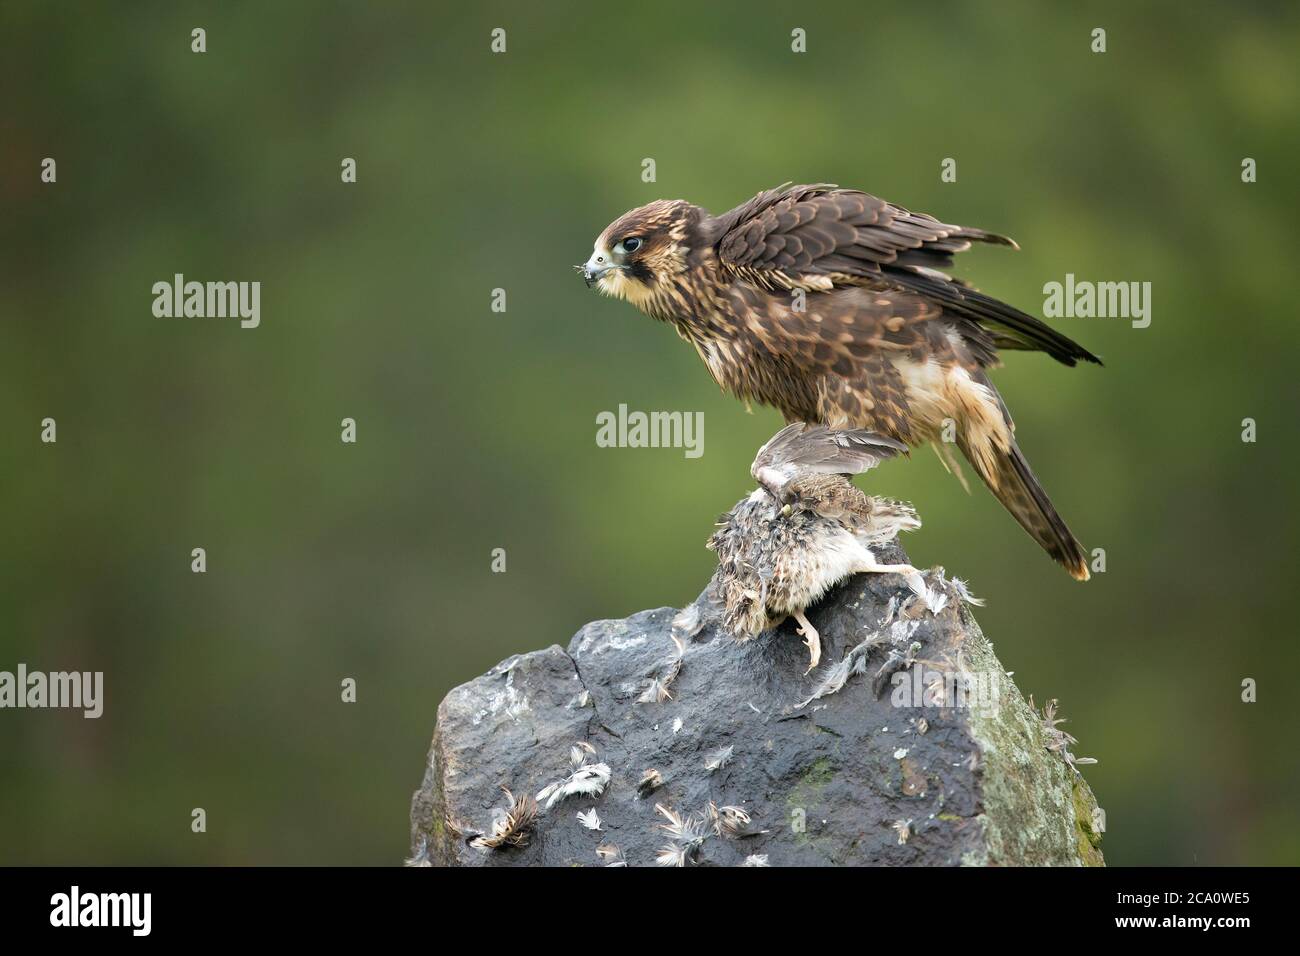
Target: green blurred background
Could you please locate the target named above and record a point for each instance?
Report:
(477, 430)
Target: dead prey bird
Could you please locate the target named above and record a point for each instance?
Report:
(805, 529)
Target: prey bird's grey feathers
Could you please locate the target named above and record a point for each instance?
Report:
(804, 450)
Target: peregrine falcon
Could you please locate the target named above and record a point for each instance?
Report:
(832, 306)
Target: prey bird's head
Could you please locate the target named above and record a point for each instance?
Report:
(640, 252)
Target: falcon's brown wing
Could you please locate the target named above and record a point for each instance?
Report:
(853, 335)
(820, 237)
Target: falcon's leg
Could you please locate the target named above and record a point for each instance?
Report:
(812, 639)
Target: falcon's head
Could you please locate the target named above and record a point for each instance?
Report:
(638, 255)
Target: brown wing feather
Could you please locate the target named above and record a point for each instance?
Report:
(821, 229)
(818, 237)
(847, 340)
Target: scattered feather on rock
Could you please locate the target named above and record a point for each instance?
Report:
(719, 759)
(511, 827)
(904, 830)
(672, 855)
(588, 780)
(421, 855)
(1058, 741)
(578, 753)
(686, 624)
(658, 688)
(963, 592)
(690, 830)
(756, 859)
(610, 855)
(650, 781)
(838, 674)
(589, 819)
(732, 821)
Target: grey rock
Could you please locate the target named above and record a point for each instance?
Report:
(863, 775)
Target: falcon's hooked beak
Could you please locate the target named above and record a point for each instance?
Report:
(596, 266)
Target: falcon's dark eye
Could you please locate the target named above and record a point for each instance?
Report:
(631, 244)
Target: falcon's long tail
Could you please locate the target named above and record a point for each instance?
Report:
(1016, 487)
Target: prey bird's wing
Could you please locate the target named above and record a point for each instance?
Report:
(801, 451)
(819, 238)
